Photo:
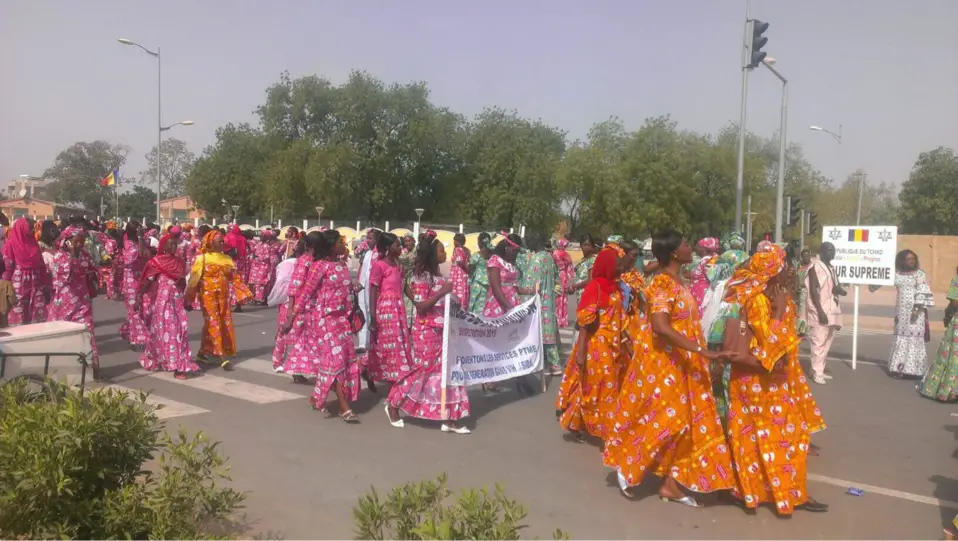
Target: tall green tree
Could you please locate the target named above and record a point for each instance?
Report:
(138, 203)
(929, 198)
(176, 163)
(77, 171)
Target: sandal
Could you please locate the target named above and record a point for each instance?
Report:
(349, 417)
(300, 379)
(624, 487)
(227, 365)
(684, 500)
(813, 506)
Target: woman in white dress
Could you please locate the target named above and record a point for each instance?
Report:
(908, 355)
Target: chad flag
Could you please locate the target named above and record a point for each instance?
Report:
(111, 178)
(857, 235)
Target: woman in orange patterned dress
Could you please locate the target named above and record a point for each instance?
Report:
(767, 429)
(212, 275)
(590, 384)
(666, 423)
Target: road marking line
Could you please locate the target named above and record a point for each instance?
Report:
(953, 414)
(233, 388)
(891, 493)
(260, 366)
(244, 314)
(168, 408)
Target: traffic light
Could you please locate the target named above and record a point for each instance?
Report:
(792, 211)
(755, 55)
(812, 223)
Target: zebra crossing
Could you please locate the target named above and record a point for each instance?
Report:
(264, 391)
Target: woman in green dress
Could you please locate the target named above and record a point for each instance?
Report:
(538, 268)
(941, 381)
(583, 269)
(478, 281)
(406, 262)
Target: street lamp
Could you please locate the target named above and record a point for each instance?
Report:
(861, 177)
(416, 227)
(235, 210)
(319, 216)
(159, 116)
(780, 191)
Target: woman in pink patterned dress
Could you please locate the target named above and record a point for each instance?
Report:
(286, 339)
(566, 279)
(262, 272)
(134, 256)
(419, 393)
(388, 358)
(504, 277)
(24, 267)
(326, 300)
(707, 249)
(168, 342)
(74, 286)
(108, 269)
(459, 272)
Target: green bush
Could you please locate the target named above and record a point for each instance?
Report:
(426, 510)
(74, 466)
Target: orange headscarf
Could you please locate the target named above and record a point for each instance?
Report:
(751, 278)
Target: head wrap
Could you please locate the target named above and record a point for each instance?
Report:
(727, 263)
(69, 233)
(751, 278)
(206, 246)
(111, 225)
(562, 244)
(234, 241)
(709, 243)
(733, 241)
(615, 239)
(22, 246)
(175, 230)
(165, 263)
(602, 284)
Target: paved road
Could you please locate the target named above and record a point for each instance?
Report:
(304, 472)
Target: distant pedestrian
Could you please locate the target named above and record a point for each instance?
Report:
(25, 269)
(909, 357)
(566, 276)
(74, 286)
(824, 311)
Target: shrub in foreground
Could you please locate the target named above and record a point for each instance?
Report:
(74, 466)
(429, 510)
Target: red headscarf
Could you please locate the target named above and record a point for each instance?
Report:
(22, 246)
(235, 240)
(164, 263)
(602, 284)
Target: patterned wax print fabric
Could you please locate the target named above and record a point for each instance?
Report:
(133, 330)
(509, 279)
(908, 354)
(566, 279)
(666, 423)
(539, 268)
(699, 281)
(219, 287)
(72, 299)
(265, 256)
(408, 260)
(941, 381)
(388, 357)
(587, 400)
(168, 342)
(303, 365)
(460, 278)
(583, 269)
(419, 392)
(478, 283)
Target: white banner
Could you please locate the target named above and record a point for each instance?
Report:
(479, 350)
(864, 254)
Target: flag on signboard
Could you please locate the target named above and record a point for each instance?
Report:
(111, 178)
(857, 235)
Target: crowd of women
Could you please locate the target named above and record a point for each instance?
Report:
(686, 368)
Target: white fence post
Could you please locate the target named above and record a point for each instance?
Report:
(279, 223)
(331, 225)
(257, 223)
(196, 222)
(387, 226)
(214, 222)
(460, 228)
(305, 224)
(358, 225)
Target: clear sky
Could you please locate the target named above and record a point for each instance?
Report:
(887, 70)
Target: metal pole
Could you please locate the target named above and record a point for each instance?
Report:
(801, 236)
(739, 180)
(861, 190)
(781, 164)
(159, 132)
(748, 227)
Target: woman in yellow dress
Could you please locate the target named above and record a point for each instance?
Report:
(211, 276)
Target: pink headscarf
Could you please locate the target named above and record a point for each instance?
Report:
(234, 239)
(563, 244)
(709, 243)
(22, 246)
(267, 234)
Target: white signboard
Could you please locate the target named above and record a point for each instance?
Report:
(479, 350)
(864, 254)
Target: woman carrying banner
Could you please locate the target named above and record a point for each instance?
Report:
(590, 386)
(666, 422)
(419, 393)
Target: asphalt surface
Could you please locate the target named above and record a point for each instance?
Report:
(305, 473)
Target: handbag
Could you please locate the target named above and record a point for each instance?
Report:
(738, 336)
(356, 318)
